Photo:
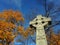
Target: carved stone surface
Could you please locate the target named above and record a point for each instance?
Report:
(40, 22)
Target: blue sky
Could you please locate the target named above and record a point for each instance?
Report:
(27, 7)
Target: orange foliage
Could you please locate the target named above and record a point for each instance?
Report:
(10, 15)
(54, 39)
(26, 32)
(1, 35)
(9, 36)
(7, 26)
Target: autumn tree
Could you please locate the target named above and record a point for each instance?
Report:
(9, 28)
(52, 38)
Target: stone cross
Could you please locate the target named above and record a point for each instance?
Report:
(39, 24)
